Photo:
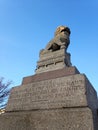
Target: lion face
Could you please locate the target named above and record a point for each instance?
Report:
(61, 29)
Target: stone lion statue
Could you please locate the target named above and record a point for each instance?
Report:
(60, 40)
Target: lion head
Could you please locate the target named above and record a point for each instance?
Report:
(61, 29)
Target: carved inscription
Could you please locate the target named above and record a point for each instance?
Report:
(59, 92)
(49, 89)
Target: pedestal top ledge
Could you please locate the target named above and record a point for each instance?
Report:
(66, 71)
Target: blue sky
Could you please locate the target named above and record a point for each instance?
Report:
(26, 26)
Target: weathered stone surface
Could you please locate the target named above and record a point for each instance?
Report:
(56, 119)
(50, 61)
(70, 91)
(55, 55)
(61, 39)
(66, 71)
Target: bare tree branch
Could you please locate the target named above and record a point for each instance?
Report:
(4, 92)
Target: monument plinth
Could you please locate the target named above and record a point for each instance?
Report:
(53, 61)
(57, 97)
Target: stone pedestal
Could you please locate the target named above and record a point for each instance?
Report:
(54, 102)
(50, 61)
(62, 92)
(52, 119)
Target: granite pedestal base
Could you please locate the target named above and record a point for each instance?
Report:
(53, 119)
(57, 100)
